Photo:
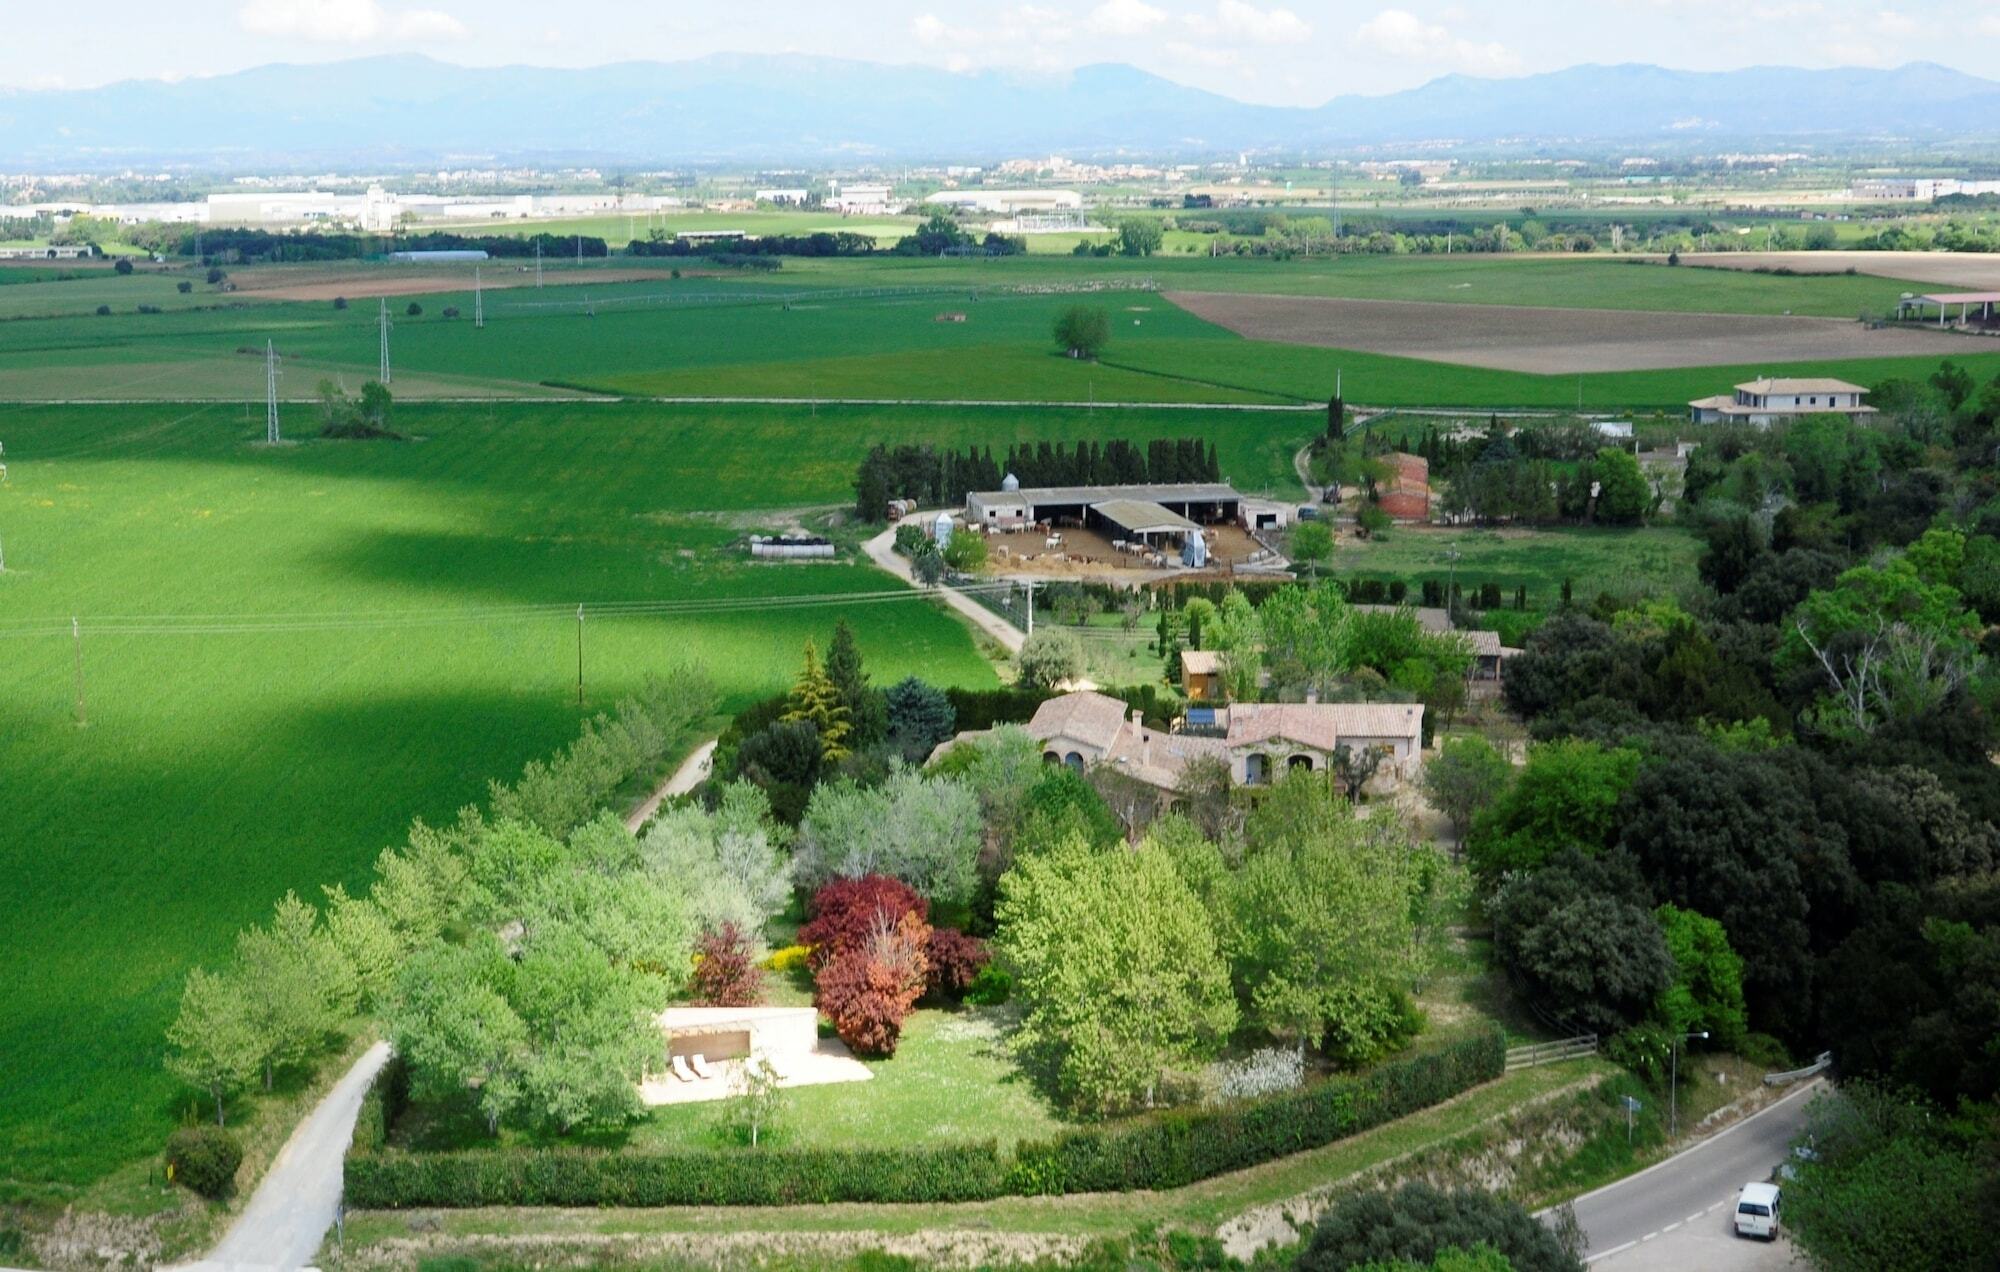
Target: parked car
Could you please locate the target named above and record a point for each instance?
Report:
(1757, 1211)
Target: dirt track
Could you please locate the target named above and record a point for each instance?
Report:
(312, 282)
(1972, 271)
(1557, 341)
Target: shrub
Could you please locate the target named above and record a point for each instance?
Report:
(104, 311)
(585, 1177)
(215, 275)
(1180, 1147)
(789, 958)
(124, 266)
(451, 311)
(990, 987)
(184, 287)
(955, 961)
(725, 971)
(1416, 1221)
(340, 302)
(868, 992)
(843, 914)
(415, 310)
(149, 309)
(204, 1158)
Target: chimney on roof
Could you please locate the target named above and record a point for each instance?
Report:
(1312, 696)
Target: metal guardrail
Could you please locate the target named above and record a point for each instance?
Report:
(1536, 1053)
(1819, 1065)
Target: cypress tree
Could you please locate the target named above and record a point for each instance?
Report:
(815, 698)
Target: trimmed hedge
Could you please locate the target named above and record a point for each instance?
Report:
(745, 1177)
(1164, 1151)
(1177, 1148)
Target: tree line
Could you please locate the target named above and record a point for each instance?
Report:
(932, 476)
(268, 245)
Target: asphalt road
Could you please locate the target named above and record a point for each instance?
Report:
(1678, 1214)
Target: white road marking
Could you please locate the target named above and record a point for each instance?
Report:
(1649, 1236)
(1670, 1227)
(1613, 1250)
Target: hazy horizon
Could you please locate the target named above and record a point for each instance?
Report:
(1297, 54)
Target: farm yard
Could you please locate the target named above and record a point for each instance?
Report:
(1542, 341)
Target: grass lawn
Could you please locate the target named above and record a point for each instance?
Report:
(221, 767)
(1655, 558)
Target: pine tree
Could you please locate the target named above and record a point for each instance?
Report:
(816, 699)
(865, 710)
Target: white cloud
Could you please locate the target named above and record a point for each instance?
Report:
(1400, 33)
(1990, 24)
(1240, 22)
(346, 21)
(1890, 22)
(1030, 30)
(1125, 17)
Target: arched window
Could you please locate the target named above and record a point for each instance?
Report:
(1075, 760)
(1256, 770)
(1300, 761)
(1051, 757)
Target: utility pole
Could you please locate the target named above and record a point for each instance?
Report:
(384, 375)
(1673, 1081)
(76, 636)
(271, 434)
(478, 300)
(538, 260)
(579, 655)
(1451, 555)
(1031, 607)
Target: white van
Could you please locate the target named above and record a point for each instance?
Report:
(1757, 1211)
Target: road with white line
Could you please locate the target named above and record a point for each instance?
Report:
(1679, 1213)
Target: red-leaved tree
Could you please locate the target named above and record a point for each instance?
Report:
(954, 959)
(868, 990)
(725, 970)
(844, 914)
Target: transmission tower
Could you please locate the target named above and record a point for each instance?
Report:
(385, 375)
(271, 435)
(478, 300)
(538, 260)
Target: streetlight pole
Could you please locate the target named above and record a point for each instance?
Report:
(1673, 1080)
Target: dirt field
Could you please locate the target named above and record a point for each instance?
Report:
(1555, 341)
(1969, 271)
(312, 282)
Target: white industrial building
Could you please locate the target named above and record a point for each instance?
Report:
(1008, 202)
(863, 200)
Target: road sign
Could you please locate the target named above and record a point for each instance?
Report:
(1631, 1106)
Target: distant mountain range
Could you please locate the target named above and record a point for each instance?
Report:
(399, 110)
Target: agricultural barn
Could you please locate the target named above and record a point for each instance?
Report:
(1977, 311)
(1763, 403)
(1125, 512)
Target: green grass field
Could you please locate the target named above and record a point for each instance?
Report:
(1373, 379)
(221, 767)
(1594, 560)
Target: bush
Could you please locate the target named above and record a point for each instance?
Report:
(184, 287)
(789, 958)
(124, 266)
(451, 311)
(955, 961)
(725, 973)
(869, 991)
(844, 914)
(215, 275)
(340, 302)
(1412, 1224)
(990, 987)
(1173, 1149)
(415, 310)
(204, 1158)
(744, 1177)
(150, 309)
(104, 311)
(978, 709)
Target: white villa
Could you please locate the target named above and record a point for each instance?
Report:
(1763, 403)
(1257, 740)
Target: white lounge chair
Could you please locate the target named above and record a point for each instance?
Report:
(681, 1069)
(700, 1066)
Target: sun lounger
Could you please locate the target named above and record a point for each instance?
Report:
(681, 1069)
(700, 1066)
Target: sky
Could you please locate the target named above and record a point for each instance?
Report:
(1285, 52)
